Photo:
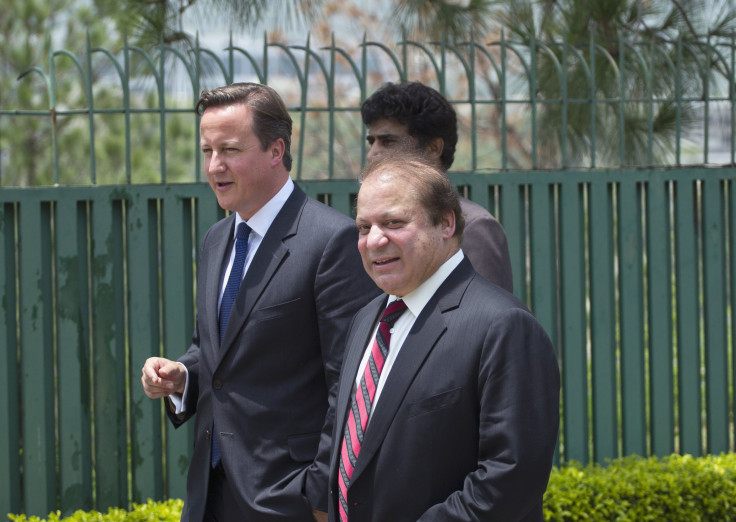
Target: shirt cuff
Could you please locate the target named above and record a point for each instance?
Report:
(178, 400)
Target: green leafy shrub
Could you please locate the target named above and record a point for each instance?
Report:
(630, 489)
(166, 511)
(674, 488)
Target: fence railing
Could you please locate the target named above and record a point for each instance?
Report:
(124, 116)
(631, 272)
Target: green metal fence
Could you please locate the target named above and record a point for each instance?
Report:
(631, 270)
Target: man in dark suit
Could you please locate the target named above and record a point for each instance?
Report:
(415, 116)
(261, 373)
(450, 410)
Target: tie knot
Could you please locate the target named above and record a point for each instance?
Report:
(393, 312)
(243, 231)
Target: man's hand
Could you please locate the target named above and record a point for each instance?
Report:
(162, 377)
(319, 516)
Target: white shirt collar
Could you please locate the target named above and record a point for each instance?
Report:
(261, 220)
(418, 298)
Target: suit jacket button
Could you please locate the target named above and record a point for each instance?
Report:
(217, 384)
(207, 434)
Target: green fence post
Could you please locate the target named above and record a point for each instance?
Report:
(574, 340)
(543, 224)
(178, 324)
(108, 352)
(10, 477)
(602, 306)
(37, 359)
(143, 292)
(714, 301)
(75, 422)
(688, 318)
(660, 319)
(631, 310)
(514, 223)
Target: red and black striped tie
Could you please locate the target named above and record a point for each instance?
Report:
(360, 406)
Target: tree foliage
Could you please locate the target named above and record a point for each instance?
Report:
(28, 32)
(664, 58)
(45, 68)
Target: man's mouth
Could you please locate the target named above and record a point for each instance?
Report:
(380, 262)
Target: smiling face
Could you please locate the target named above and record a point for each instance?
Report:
(242, 174)
(399, 245)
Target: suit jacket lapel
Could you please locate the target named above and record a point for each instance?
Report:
(427, 330)
(268, 258)
(215, 260)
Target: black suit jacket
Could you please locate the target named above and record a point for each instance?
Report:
(466, 425)
(270, 385)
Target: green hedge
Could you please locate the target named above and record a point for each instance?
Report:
(167, 511)
(675, 488)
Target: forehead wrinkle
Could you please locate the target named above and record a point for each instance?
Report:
(390, 209)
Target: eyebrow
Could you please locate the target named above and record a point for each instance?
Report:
(383, 135)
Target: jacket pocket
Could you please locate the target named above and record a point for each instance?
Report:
(435, 402)
(278, 311)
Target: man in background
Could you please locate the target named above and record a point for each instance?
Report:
(417, 117)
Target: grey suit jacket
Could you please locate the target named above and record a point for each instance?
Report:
(270, 387)
(485, 245)
(467, 422)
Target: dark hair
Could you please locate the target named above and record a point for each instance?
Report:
(424, 111)
(420, 176)
(271, 119)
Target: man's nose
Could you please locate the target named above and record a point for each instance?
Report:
(376, 238)
(215, 164)
(374, 151)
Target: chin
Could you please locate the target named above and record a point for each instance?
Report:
(388, 288)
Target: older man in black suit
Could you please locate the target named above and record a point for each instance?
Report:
(448, 401)
(261, 373)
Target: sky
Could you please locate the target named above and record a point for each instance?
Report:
(348, 19)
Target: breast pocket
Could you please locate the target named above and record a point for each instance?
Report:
(435, 403)
(279, 311)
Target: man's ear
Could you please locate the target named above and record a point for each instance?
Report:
(277, 151)
(448, 224)
(434, 148)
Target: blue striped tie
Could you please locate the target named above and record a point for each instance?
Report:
(228, 298)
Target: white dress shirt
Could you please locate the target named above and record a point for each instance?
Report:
(415, 301)
(259, 224)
